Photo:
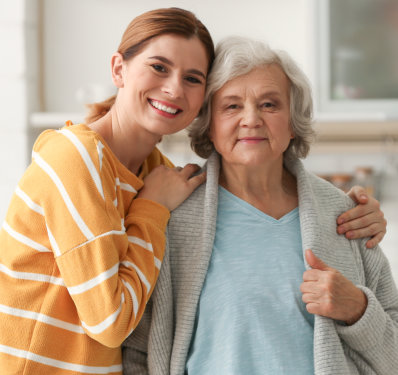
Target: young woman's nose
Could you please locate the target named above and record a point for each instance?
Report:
(173, 87)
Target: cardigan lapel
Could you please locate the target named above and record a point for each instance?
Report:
(191, 237)
(312, 232)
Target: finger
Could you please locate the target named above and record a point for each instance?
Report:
(310, 298)
(311, 287)
(358, 194)
(313, 308)
(368, 231)
(189, 170)
(375, 220)
(354, 213)
(197, 180)
(314, 262)
(311, 275)
(375, 240)
(178, 168)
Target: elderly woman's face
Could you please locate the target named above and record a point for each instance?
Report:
(250, 117)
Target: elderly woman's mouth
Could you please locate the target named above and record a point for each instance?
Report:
(252, 139)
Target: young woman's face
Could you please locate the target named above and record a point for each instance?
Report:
(163, 86)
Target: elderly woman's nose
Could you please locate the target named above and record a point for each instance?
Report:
(251, 117)
(173, 87)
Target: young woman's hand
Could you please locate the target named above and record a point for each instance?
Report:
(364, 220)
(326, 292)
(171, 186)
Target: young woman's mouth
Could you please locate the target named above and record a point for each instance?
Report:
(164, 109)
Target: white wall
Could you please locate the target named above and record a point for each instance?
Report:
(18, 90)
(80, 36)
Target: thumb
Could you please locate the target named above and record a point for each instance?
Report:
(358, 194)
(314, 262)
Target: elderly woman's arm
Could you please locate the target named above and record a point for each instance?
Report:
(370, 313)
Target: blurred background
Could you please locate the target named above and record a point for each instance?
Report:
(55, 58)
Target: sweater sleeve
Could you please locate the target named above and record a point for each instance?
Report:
(375, 335)
(108, 253)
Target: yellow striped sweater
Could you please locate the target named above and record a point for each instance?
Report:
(79, 257)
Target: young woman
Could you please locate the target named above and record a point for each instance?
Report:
(84, 238)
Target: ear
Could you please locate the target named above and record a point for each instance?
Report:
(117, 66)
(292, 135)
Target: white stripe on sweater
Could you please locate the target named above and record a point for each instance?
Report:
(147, 246)
(32, 205)
(133, 296)
(53, 243)
(31, 276)
(124, 186)
(25, 240)
(140, 274)
(57, 181)
(41, 318)
(86, 158)
(60, 364)
(84, 287)
(100, 147)
(35, 207)
(101, 327)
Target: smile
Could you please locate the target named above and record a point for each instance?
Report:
(252, 139)
(164, 108)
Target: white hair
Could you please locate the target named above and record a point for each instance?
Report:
(236, 56)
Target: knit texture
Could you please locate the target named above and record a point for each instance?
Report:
(370, 346)
(79, 257)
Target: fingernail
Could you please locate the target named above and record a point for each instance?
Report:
(340, 230)
(363, 196)
(340, 220)
(349, 234)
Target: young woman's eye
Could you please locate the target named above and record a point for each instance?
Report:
(192, 79)
(159, 68)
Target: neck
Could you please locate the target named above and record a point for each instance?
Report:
(269, 188)
(131, 144)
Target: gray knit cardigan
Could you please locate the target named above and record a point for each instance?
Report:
(160, 343)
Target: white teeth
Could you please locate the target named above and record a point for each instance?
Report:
(163, 108)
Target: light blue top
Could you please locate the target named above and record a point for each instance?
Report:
(250, 318)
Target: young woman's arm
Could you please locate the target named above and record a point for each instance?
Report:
(364, 220)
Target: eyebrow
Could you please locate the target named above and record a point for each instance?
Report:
(261, 96)
(169, 62)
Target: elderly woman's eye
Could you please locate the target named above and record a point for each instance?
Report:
(268, 105)
(232, 106)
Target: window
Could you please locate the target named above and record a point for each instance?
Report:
(358, 61)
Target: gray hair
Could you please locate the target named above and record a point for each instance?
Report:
(236, 56)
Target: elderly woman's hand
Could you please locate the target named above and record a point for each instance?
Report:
(364, 220)
(328, 293)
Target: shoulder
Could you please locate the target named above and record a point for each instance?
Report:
(66, 144)
(314, 189)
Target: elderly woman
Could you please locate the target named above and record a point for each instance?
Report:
(256, 280)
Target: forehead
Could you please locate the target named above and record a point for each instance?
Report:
(265, 78)
(177, 49)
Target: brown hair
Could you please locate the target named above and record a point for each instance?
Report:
(147, 26)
